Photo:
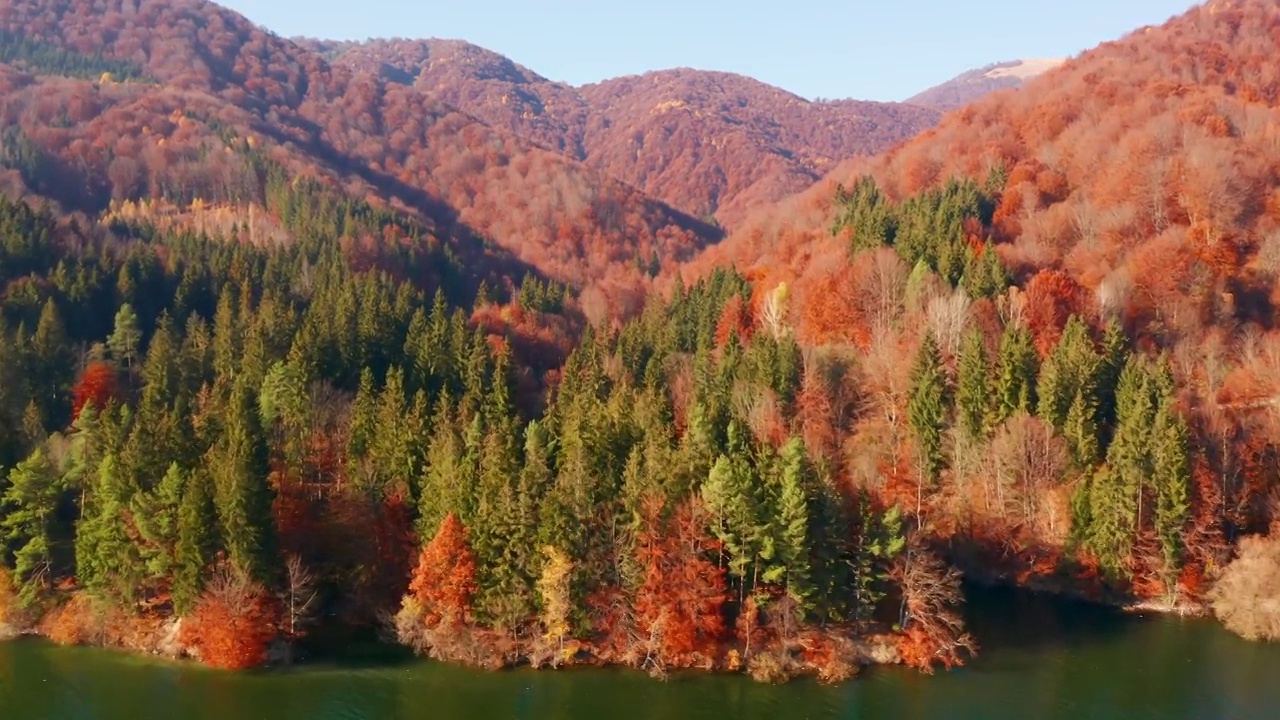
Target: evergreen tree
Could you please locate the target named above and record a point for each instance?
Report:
(196, 541)
(973, 387)
(238, 464)
(794, 522)
(27, 519)
(109, 562)
(927, 409)
(126, 338)
(1171, 477)
(1015, 374)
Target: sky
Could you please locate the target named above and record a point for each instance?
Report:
(865, 49)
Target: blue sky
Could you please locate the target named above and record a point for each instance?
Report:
(866, 49)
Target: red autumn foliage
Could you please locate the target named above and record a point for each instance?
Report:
(708, 143)
(736, 319)
(392, 143)
(1052, 298)
(232, 624)
(680, 604)
(445, 578)
(97, 386)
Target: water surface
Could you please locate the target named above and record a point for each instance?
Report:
(1041, 659)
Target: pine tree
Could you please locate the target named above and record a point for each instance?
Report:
(731, 494)
(927, 409)
(1073, 367)
(973, 387)
(1015, 374)
(196, 540)
(1171, 477)
(1080, 428)
(27, 519)
(238, 463)
(1116, 492)
(52, 369)
(126, 338)
(108, 561)
(156, 514)
(794, 522)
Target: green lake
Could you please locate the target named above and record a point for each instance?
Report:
(1041, 659)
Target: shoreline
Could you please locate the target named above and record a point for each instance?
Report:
(776, 662)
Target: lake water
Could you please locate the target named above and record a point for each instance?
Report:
(1042, 660)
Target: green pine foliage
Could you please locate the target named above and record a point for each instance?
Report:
(928, 409)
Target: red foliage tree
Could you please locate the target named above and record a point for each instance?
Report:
(445, 579)
(735, 320)
(1052, 298)
(97, 386)
(232, 624)
(680, 604)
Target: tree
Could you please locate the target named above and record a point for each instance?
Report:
(1247, 597)
(1171, 478)
(445, 580)
(795, 535)
(554, 591)
(27, 517)
(238, 464)
(679, 605)
(731, 495)
(927, 412)
(880, 541)
(232, 624)
(108, 560)
(97, 386)
(297, 598)
(126, 338)
(1073, 367)
(933, 631)
(973, 388)
(196, 540)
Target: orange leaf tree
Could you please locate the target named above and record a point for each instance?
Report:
(232, 624)
(97, 386)
(681, 602)
(445, 579)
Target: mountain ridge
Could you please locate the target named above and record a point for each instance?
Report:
(744, 142)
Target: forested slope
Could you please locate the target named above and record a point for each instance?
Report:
(710, 143)
(1123, 203)
(201, 69)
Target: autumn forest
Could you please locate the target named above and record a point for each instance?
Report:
(303, 341)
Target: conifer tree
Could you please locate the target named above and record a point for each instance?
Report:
(196, 542)
(973, 387)
(108, 562)
(1171, 477)
(238, 463)
(27, 520)
(1015, 374)
(794, 522)
(126, 338)
(927, 409)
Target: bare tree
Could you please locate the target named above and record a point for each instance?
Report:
(298, 598)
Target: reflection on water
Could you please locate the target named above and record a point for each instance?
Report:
(1041, 659)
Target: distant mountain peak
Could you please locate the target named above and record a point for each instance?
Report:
(974, 84)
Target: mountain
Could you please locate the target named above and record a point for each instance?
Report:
(1124, 205)
(1128, 167)
(975, 84)
(712, 144)
(190, 77)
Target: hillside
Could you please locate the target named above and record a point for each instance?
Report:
(1130, 197)
(711, 144)
(976, 84)
(199, 74)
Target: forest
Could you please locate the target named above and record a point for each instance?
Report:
(272, 374)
